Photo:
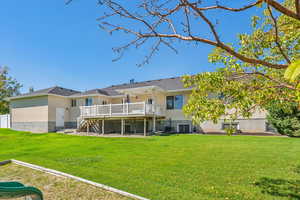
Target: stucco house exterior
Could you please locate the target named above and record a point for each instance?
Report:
(131, 108)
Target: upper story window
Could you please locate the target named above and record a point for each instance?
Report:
(73, 103)
(150, 101)
(174, 102)
(88, 101)
(127, 100)
(170, 102)
(104, 102)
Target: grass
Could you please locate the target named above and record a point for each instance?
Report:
(175, 167)
(54, 187)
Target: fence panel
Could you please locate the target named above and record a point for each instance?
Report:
(4, 121)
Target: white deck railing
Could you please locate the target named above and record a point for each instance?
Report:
(126, 109)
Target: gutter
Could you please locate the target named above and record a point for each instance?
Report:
(92, 95)
(181, 90)
(30, 96)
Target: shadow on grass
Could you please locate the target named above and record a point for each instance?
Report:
(280, 187)
(165, 134)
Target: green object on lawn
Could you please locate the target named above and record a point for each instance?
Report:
(16, 190)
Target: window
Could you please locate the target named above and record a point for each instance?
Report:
(104, 102)
(270, 128)
(170, 102)
(221, 96)
(88, 101)
(228, 125)
(183, 128)
(150, 101)
(127, 99)
(73, 103)
(174, 102)
(178, 101)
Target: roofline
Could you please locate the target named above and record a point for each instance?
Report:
(95, 95)
(36, 95)
(86, 95)
(91, 95)
(142, 87)
(181, 90)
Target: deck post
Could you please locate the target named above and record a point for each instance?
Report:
(110, 109)
(87, 126)
(127, 108)
(122, 126)
(154, 124)
(99, 125)
(103, 127)
(145, 126)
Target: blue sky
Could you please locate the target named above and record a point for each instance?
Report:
(46, 43)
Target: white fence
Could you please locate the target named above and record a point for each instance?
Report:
(4, 121)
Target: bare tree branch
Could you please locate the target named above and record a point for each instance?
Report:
(276, 35)
(280, 8)
(160, 18)
(232, 9)
(207, 21)
(297, 5)
(280, 83)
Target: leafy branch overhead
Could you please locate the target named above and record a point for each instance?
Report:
(293, 71)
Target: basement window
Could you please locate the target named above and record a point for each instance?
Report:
(228, 125)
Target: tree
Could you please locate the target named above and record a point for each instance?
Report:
(251, 71)
(168, 21)
(285, 118)
(246, 87)
(8, 87)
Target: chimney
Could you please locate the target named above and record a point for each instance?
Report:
(131, 81)
(31, 89)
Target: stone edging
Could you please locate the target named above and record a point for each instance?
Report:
(58, 173)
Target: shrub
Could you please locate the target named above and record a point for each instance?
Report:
(285, 118)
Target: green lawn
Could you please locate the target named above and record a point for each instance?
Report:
(170, 167)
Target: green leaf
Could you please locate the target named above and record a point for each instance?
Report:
(293, 71)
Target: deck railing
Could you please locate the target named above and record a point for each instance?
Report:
(126, 109)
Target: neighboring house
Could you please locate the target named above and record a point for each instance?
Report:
(133, 108)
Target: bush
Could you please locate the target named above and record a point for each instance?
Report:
(285, 118)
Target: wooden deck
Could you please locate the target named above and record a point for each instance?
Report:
(121, 110)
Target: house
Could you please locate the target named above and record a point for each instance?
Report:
(131, 108)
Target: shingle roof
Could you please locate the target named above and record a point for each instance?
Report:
(52, 90)
(166, 84)
(97, 91)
